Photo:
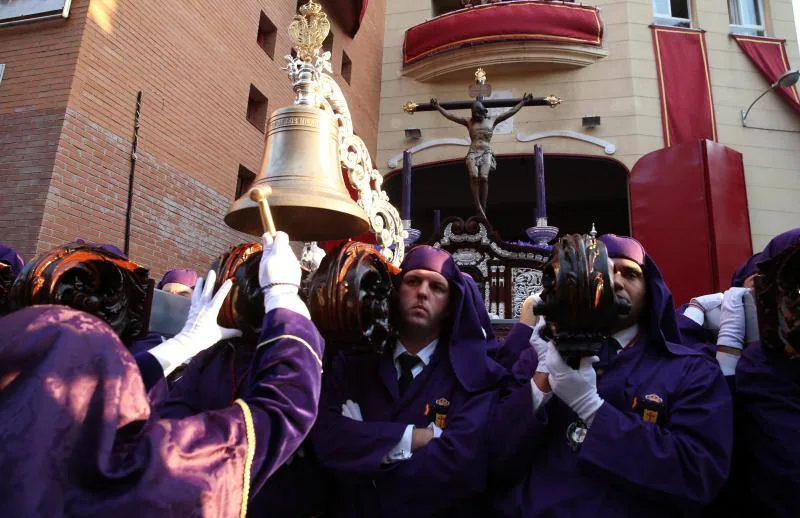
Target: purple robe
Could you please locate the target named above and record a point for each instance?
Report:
(694, 335)
(214, 379)
(79, 439)
(767, 469)
(445, 478)
(626, 466)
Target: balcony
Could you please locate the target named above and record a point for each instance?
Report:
(521, 34)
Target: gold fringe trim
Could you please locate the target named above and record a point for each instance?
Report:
(250, 432)
(293, 337)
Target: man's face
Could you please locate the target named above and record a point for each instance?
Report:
(423, 299)
(177, 288)
(629, 284)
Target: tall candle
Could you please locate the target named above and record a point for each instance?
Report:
(541, 199)
(406, 208)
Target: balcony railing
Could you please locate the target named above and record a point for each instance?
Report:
(522, 31)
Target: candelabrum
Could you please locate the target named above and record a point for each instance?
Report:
(542, 233)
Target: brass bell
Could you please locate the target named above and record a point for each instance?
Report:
(309, 200)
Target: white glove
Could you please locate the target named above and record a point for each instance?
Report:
(706, 310)
(279, 275)
(540, 346)
(437, 432)
(352, 410)
(576, 388)
(201, 330)
(526, 315)
(732, 321)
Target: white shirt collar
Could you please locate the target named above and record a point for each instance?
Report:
(424, 355)
(627, 335)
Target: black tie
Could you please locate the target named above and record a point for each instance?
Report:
(407, 362)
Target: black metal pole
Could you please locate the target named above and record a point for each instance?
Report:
(129, 209)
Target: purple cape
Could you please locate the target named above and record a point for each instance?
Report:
(79, 438)
(181, 276)
(766, 477)
(467, 343)
(10, 256)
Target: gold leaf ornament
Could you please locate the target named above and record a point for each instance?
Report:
(308, 30)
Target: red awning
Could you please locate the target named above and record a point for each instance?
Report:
(504, 21)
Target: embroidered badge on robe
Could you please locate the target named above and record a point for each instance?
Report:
(650, 407)
(440, 408)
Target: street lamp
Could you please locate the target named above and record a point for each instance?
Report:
(789, 78)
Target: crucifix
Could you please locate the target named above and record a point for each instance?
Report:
(480, 157)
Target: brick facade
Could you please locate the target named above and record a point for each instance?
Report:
(194, 64)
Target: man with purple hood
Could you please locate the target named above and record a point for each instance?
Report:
(178, 281)
(717, 322)
(79, 438)
(648, 433)
(404, 433)
(766, 474)
(10, 257)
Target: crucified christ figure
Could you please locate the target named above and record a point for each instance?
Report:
(480, 158)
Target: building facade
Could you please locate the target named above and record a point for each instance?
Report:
(209, 77)
(616, 85)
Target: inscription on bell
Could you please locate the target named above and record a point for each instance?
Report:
(294, 121)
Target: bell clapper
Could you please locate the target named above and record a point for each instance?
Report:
(259, 195)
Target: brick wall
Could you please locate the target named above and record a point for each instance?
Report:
(40, 62)
(194, 64)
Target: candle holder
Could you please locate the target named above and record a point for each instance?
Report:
(413, 233)
(542, 233)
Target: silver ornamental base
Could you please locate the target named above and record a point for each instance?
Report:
(413, 233)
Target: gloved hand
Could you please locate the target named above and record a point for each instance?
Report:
(540, 346)
(279, 275)
(352, 410)
(705, 310)
(576, 388)
(732, 320)
(201, 330)
(437, 432)
(526, 315)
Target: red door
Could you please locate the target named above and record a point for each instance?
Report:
(689, 210)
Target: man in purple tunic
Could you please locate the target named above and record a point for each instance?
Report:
(766, 473)
(404, 433)
(10, 256)
(78, 436)
(178, 281)
(716, 322)
(218, 375)
(649, 433)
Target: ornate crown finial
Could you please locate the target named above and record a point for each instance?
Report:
(593, 232)
(480, 76)
(308, 30)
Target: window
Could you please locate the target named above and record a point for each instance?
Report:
(440, 7)
(347, 67)
(327, 43)
(746, 17)
(244, 181)
(675, 13)
(257, 109)
(267, 33)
